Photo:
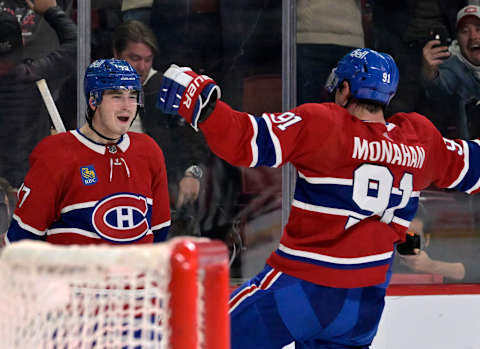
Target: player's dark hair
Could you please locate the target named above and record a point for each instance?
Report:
(134, 31)
(371, 106)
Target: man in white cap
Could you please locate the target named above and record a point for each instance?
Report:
(454, 71)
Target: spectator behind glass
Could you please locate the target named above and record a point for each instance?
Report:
(431, 258)
(402, 28)
(452, 76)
(24, 120)
(326, 31)
(184, 149)
(220, 37)
(39, 38)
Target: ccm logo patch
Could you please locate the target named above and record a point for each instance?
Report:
(121, 218)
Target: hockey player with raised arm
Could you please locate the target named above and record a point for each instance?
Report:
(97, 184)
(358, 185)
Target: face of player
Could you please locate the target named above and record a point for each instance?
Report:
(468, 36)
(115, 113)
(140, 57)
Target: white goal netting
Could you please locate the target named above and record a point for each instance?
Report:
(76, 297)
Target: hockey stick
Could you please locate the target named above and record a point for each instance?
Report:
(50, 104)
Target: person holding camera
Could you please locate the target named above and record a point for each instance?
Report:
(402, 28)
(419, 255)
(451, 76)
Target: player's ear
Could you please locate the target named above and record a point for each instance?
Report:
(345, 87)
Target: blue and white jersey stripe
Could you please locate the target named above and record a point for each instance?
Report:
(20, 225)
(253, 141)
(265, 145)
(334, 262)
(469, 178)
(23, 231)
(72, 221)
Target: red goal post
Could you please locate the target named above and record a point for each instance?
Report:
(172, 295)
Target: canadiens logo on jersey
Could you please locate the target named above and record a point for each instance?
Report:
(121, 217)
(88, 174)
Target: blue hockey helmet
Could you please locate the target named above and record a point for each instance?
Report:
(111, 74)
(372, 75)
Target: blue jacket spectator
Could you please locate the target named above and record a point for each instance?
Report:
(452, 77)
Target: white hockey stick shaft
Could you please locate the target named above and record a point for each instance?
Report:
(50, 104)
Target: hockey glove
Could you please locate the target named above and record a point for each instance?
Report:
(185, 93)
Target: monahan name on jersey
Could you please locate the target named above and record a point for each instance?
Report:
(388, 152)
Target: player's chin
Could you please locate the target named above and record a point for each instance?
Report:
(124, 129)
(123, 126)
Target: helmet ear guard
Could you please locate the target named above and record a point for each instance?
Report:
(332, 81)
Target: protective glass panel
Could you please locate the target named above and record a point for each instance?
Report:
(37, 48)
(238, 44)
(443, 241)
(447, 221)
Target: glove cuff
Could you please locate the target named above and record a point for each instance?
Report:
(189, 107)
(209, 95)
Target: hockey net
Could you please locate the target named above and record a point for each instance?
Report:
(170, 295)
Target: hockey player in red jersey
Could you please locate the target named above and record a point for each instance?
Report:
(97, 184)
(358, 184)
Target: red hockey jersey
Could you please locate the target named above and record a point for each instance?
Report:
(357, 187)
(81, 192)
